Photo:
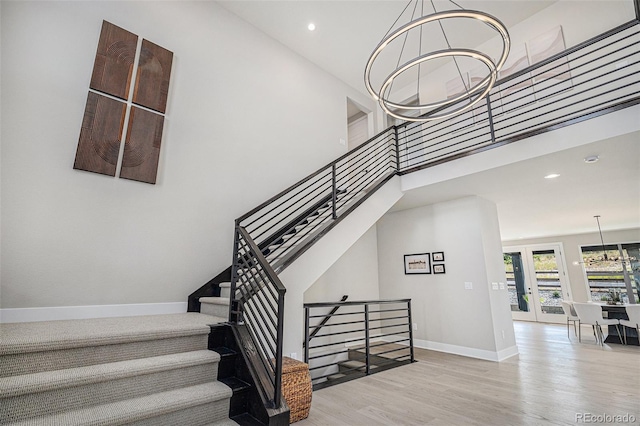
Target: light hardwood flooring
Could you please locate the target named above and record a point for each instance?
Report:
(548, 383)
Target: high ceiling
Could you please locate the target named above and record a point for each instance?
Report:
(528, 205)
(347, 31)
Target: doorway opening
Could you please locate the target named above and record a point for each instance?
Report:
(537, 282)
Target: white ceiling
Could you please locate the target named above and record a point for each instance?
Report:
(528, 205)
(347, 31)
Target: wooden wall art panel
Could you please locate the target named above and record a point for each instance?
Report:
(99, 143)
(142, 146)
(113, 65)
(152, 80)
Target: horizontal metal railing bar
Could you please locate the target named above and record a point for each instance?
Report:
(340, 333)
(390, 326)
(354, 302)
(338, 314)
(388, 310)
(390, 318)
(343, 323)
(324, 355)
(405, 348)
(326, 345)
(393, 334)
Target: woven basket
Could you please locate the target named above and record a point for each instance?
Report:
(296, 388)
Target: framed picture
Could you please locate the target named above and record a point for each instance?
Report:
(437, 256)
(417, 263)
(438, 269)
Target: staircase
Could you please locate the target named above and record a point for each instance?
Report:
(147, 370)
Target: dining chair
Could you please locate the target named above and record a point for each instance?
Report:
(591, 313)
(567, 307)
(633, 312)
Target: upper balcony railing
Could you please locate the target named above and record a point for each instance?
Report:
(598, 76)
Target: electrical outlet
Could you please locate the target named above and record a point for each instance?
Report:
(468, 285)
(503, 335)
(342, 142)
(294, 355)
(501, 286)
(415, 326)
(494, 286)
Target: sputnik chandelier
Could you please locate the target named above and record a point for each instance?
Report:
(438, 109)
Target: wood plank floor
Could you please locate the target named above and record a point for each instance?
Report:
(548, 383)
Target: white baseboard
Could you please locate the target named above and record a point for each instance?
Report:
(466, 351)
(55, 313)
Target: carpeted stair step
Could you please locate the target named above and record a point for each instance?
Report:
(54, 345)
(50, 392)
(197, 405)
(225, 289)
(215, 306)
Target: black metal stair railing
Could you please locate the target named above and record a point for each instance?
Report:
(365, 337)
(598, 76)
(257, 301)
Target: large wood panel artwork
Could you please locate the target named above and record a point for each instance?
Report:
(152, 80)
(100, 135)
(103, 125)
(142, 146)
(114, 61)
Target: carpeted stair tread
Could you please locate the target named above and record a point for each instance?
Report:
(215, 300)
(55, 335)
(80, 376)
(141, 410)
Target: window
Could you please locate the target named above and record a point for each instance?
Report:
(613, 272)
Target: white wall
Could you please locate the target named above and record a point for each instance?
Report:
(572, 253)
(246, 118)
(354, 274)
(449, 317)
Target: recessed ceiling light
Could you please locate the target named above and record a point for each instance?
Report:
(311, 26)
(591, 159)
(552, 176)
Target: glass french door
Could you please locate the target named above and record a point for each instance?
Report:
(537, 282)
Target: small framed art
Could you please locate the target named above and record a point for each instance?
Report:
(437, 256)
(438, 269)
(417, 263)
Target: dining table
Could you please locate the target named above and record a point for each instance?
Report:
(619, 312)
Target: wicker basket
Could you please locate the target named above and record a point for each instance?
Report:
(296, 388)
